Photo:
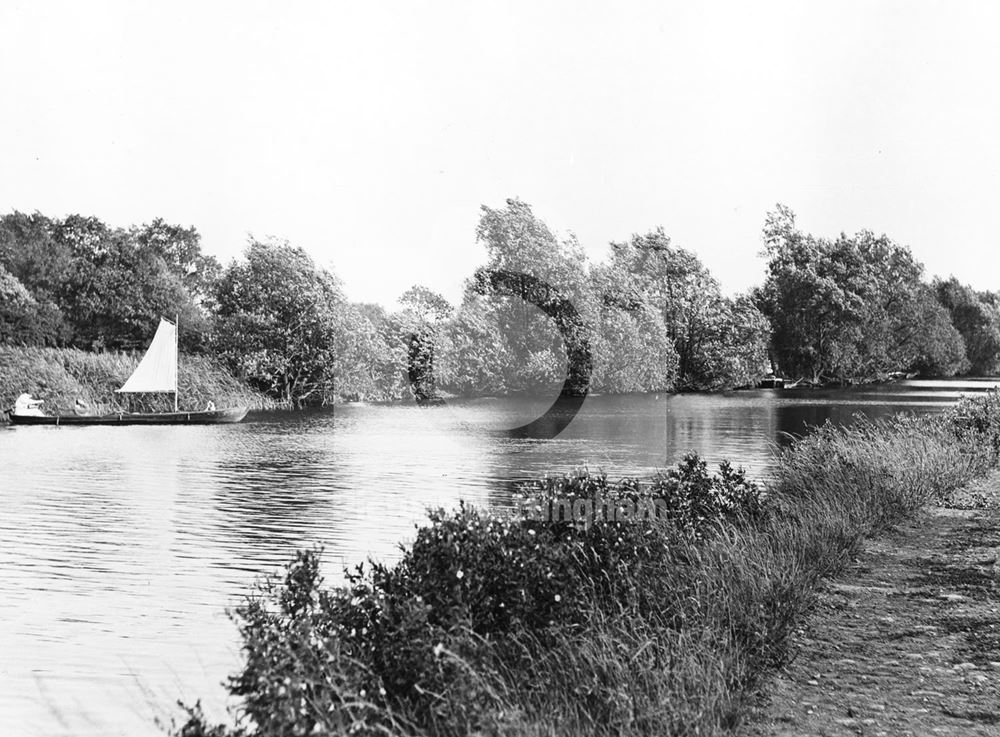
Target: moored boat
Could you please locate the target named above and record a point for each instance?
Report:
(156, 373)
(215, 417)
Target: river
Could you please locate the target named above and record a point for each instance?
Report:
(122, 547)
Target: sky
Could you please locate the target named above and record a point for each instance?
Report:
(371, 133)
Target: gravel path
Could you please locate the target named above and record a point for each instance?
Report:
(905, 642)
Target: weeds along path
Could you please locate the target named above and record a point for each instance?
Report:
(906, 641)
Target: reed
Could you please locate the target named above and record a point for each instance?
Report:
(668, 626)
(62, 375)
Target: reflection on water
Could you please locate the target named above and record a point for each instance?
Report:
(120, 548)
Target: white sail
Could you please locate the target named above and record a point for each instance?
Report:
(157, 371)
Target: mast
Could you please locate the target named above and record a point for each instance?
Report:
(177, 358)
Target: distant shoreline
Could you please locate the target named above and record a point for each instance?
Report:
(61, 375)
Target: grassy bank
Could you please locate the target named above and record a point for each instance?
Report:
(643, 624)
(61, 375)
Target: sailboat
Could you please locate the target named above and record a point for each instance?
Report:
(156, 373)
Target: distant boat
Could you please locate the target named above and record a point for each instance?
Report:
(772, 382)
(155, 374)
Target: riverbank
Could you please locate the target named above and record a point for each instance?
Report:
(633, 625)
(61, 375)
(906, 641)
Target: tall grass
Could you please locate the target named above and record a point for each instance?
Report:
(62, 375)
(668, 626)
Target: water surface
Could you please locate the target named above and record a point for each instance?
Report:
(121, 547)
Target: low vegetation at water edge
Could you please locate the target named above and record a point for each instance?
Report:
(60, 376)
(629, 623)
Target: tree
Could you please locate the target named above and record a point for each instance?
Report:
(118, 292)
(13, 295)
(424, 313)
(279, 321)
(31, 254)
(633, 351)
(816, 313)
(719, 343)
(427, 306)
(97, 287)
(976, 317)
(371, 358)
(517, 242)
(848, 309)
(180, 249)
(735, 351)
(23, 321)
(473, 355)
(928, 341)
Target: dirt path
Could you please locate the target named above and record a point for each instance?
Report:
(904, 642)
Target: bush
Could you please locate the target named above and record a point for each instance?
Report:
(975, 421)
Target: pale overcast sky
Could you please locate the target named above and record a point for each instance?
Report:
(370, 133)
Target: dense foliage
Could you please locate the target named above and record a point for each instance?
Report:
(853, 308)
(720, 342)
(656, 320)
(277, 321)
(597, 624)
(976, 316)
(95, 287)
(649, 318)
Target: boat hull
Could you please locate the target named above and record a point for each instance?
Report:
(215, 417)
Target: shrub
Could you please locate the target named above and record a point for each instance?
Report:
(696, 501)
(975, 420)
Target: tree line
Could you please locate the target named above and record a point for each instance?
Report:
(857, 308)
(850, 309)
